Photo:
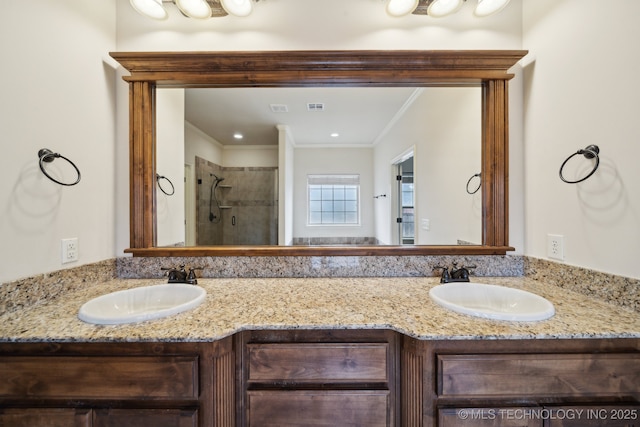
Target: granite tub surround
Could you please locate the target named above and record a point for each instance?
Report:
(400, 304)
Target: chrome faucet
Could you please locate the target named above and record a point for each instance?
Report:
(456, 274)
(180, 275)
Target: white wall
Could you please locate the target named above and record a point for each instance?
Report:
(57, 93)
(198, 143)
(286, 155)
(170, 160)
(250, 156)
(443, 127)
(333, 161)
(581, 88)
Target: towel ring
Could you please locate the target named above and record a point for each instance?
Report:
(158, 178)
(48, 156)
(590, 152)
(479, 183)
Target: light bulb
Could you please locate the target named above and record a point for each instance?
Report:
(198, 9)
(150, 8)
(440, 8)
(237, 7)
(401, 7)
(489, 7)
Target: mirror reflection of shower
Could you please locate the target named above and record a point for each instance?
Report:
(235, 205)
(215, 213)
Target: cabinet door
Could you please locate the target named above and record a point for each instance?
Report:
(488, 417)
(145, 418)
(594, 416)
(48, 417)
(319, 408)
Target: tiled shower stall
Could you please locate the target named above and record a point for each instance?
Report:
(242, 209)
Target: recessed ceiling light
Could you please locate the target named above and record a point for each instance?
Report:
(335, 135)
(238, 135)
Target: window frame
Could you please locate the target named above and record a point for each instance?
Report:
(334, 179)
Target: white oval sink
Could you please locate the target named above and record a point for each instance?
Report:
(492, 301)
(140, 304)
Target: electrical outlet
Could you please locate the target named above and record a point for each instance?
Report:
(69, 250)
(555, 246)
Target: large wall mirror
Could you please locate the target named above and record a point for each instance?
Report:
(342, 152)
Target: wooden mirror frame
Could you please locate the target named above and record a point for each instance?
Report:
(486, 69)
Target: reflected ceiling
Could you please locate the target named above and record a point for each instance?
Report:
(357, 115)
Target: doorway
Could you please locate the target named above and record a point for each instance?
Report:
(406, 202)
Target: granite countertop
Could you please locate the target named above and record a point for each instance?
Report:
(400, 304)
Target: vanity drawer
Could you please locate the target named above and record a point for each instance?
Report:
(97, 377)
(313, 363)
(145, 417)
(319, 408)
(45, 417)
(488, 417)
(539, 375)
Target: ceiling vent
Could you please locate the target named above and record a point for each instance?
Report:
(279, 108)
(315, 106)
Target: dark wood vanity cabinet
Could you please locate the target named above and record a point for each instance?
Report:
(117, 384)
(319, 378)
(515, 383)
(327, 378)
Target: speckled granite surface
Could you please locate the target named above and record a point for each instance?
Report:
(623, 291)
(325, 266)
(401, 304)
(24, 293)
(35, 290)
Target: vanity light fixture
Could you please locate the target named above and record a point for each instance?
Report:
(441, 8)
(198, 9)
(204, 9)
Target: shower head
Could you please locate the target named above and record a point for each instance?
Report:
(216, 181)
